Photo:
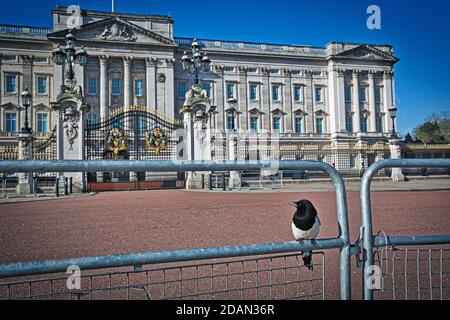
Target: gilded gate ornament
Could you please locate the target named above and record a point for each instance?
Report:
(156, 140)
(116, 142)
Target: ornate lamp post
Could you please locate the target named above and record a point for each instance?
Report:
(26, 102)
(393, 115)
(70, 55)
(198, 62)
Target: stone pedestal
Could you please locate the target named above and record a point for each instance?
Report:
(235, 177)
(25, 185)
(396, 153)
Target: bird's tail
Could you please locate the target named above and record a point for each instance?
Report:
(307, 259)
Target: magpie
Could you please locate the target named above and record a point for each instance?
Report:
(305, 225)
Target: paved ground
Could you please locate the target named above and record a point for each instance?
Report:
(120, 222)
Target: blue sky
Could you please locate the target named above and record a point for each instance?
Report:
(419, 32)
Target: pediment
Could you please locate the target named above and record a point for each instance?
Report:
(320, 112)
(255, 111)
(40, 106)
(114, 29)
(10, 106)
(300, 112)
(366, 52)
(278, 111)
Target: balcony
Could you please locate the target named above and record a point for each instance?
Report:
(13, 29)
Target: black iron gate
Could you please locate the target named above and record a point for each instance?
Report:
(133, 135)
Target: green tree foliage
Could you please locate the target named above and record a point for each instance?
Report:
(435, 129)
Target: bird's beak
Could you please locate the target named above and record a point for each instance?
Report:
(292, 203)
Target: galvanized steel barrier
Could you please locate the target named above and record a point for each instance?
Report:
(370, 242)
(341, 241)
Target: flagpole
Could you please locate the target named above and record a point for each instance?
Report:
(112, 6)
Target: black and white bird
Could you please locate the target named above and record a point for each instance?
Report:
(305, 225)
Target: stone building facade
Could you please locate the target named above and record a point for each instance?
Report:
(337, 93)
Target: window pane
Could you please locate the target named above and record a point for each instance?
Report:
(362, 95)
(254, 124)
(348, 94)
(298, 93)
(230, 91)
(318, 94)
(138, 88)
(378, 95)
(298, 125)
(277, 124)
(11, 122)
(319, 125)
(276, 93)
(42, 122)
(116, 86)
(349, 124)
(42, 85)
(207, 86)
(379, 124)
(10, 84)
(253, 92)
(364, 125)
(230, 122)
(181, 89)
(92, 85)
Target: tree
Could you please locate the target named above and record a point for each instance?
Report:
(435, 129)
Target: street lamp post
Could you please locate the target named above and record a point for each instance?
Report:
(70, 55)
(26, 102)
(393, 115)
(198, 62)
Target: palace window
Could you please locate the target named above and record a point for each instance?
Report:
(42, 85)
(11, 122)
(208, 87)
(92, 119)
(116, 83)
(298, 97)
(298, 125)
(11, 84)
(254, 123)
(364, 125)
(277, 124)
(253, 92)
(92, 85)
(229, 69)
(379, 123)
(231, 90)
(362, 94)
(252, 70)
(276, 92)
(42, 122)
(349, 124)
(319, 125)
(181, 89)
(230, 121)
(274, 71)
(348, 94)
(40, 59)
(378, 95)
(138, 88)
(318, 94)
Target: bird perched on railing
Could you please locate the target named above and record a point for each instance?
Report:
(305, 225)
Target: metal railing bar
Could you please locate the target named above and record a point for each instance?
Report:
(366, 209)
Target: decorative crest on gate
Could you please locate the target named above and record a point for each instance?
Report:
(116, 142)
(156, 140)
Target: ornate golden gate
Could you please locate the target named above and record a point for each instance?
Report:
(136, 134)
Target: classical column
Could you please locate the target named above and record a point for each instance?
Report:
(372, 115)
(309, 102)
(388, 101)
(127, 85)
(169, 107)
(242, 99)
(265, 96)
(288, 100)
(336, 99)
(103, 88)
(150, 64)
(25, 153)
(355, 102)
(221, 98)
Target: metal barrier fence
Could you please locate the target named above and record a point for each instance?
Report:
(389, 242)
(266, 274)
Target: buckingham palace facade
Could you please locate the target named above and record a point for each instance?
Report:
(339, 92)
